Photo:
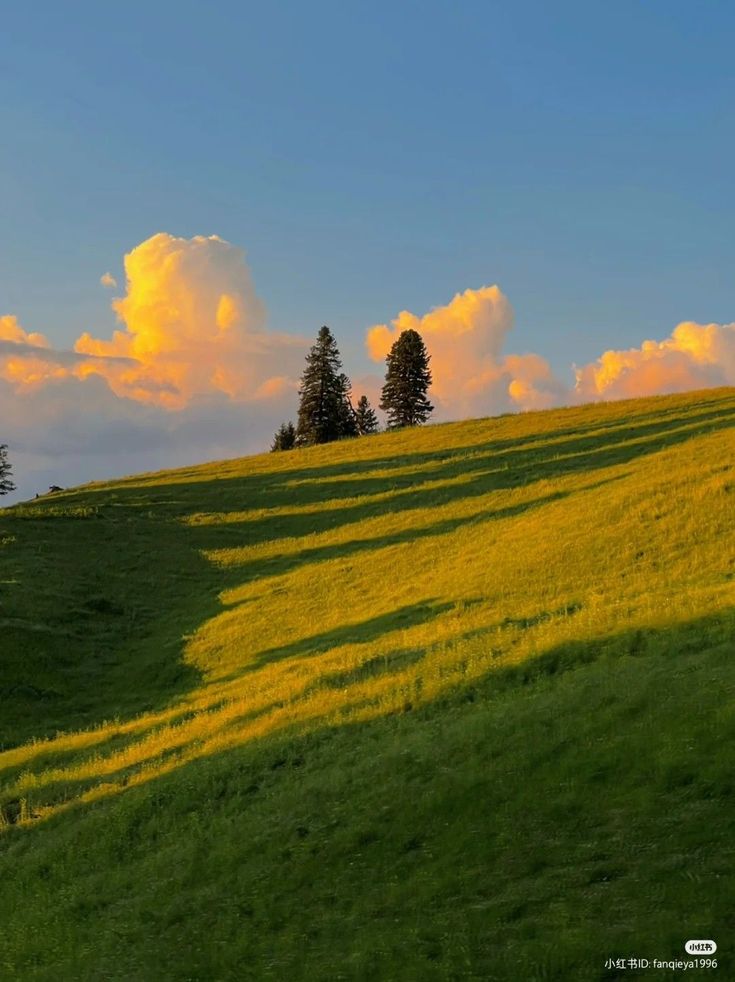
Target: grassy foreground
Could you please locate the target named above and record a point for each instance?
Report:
(454, 703)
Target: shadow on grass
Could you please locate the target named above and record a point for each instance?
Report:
(250, 570)
(100, 590)
(419, 829)
(702, 635)
(98, 607)
(363, 632)
(485, 466)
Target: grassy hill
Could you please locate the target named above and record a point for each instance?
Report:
(454, 703)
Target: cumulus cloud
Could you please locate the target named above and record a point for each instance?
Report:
(695, 356)
(193, 373)
(107, 279)
(10, 330)
(471, 375)
(192, 326)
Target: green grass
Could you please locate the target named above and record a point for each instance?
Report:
(454, 703)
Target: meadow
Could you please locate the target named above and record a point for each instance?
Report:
(448, 703)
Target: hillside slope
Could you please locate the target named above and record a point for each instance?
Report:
(449, 703)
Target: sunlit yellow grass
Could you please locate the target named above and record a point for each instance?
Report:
(395, 607)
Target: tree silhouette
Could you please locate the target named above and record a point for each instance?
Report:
(365, 418)
(347, 417)
(6, 485)
(285, 437)
(407, 380)
(325, 412)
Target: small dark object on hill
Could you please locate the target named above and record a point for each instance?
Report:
(101, 605)
(54, 487)
(11, 811)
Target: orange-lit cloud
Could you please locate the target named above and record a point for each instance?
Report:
(192, 326)
(695, 356)
(471, 375)
(107, 279)
(193, 372)
(10, 330)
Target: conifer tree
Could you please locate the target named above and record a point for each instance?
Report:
(6, 485)
(285, 438)
(348, 417)
(407, 380)
(367, 421)
(325, 412)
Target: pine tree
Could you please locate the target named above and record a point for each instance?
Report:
(325, 412)
(407, 380)
(367, 421)
(285, 438)
(347, 415)
(6, 485)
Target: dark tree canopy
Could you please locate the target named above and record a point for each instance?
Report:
(325, 411)
(407, 381)
(365, 418)
(347, 416)
(285, 438)
(6, 485)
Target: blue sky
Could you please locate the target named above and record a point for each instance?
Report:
(378, 156)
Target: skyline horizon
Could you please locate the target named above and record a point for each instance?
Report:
(16, 343)
(537, 191)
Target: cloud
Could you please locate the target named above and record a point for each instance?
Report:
(10, 330)
(72, 431)
(193, 373)
(471, 375)
(192, 326)
(694, 356)
(107, 279)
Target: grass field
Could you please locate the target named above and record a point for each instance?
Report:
(454, 703)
